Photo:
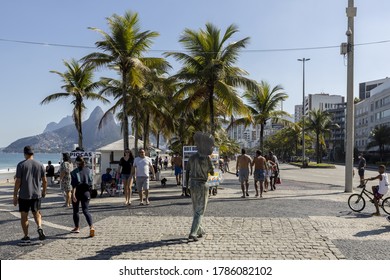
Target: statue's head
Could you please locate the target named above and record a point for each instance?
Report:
(204, 142)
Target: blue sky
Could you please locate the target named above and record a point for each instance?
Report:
(271, 25)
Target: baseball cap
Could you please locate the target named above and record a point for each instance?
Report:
(28, 150)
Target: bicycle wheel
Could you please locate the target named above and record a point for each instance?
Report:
(356, 202)
(386, 205)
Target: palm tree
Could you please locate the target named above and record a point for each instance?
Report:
(293, 135)
(208, 74)
(264, 105)
(78, 85)
(380, 136)
(123, 50)
(320, 122)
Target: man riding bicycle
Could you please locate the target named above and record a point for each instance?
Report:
(380, 190)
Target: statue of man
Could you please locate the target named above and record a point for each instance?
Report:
(198, 167)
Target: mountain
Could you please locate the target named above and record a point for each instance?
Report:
(54, 126)
(65, 137)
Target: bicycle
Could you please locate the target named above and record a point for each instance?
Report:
(356, 202)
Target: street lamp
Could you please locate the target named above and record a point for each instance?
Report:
(303, 111)
(351, 13)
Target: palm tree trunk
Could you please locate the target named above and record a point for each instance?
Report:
(136, 134)
(80, 128)
(146, 132)
(158, 139)
(125, 118)
(211, 104)
(318, 147)
(262, 137)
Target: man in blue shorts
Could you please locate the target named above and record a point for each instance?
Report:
(177, 162)
(259, 162)
(30, 174)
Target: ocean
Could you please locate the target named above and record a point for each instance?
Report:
(8, 162)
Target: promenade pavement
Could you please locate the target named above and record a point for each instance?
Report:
(305, 234)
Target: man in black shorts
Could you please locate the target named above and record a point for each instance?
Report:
(361, 168)
(30, 174)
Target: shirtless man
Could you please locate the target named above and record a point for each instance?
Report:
(259, 174)
(244, 162)
(177, 162)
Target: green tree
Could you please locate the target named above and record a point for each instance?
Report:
(264, 104)
(123, 49)
(319, 122)
(380, 137)
(208, 75)
(77, 84)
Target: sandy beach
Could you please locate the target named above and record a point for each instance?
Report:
(7, 178)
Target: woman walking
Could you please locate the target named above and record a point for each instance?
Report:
(65, 180)
(125, 165)
(81, 182)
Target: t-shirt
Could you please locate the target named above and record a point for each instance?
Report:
(126, 165)
(106, 178)
(30, 172)
(362, 163)
(50, 171)
(142, 166)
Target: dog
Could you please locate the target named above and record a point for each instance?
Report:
(164, 182)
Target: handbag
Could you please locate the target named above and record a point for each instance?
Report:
(278, 180)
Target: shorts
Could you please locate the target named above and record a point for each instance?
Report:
(25, 205)
(125, 176)
(259, 174)
(377, 195)
(361, 172)
(178, 170)
(142, 183)
(243, 175)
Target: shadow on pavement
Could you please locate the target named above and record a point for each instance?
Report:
(109, 252)
(379, 231)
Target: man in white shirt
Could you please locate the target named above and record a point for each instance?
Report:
(141, 169)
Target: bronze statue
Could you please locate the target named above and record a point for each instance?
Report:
(198, 167)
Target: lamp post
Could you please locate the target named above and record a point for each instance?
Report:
(351, 13)
(303, 111)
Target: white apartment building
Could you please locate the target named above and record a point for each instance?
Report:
(298, 112)
(366, 88)
(249, 137)
(322, 101)
(246, 137)
(372, 111)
